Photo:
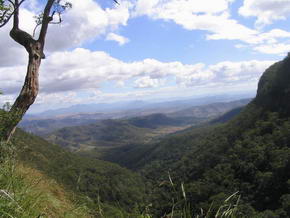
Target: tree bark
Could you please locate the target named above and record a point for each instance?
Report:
(28, 93)
(30, 88)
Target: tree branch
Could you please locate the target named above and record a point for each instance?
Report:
(6, 20)
(11, 2)
(20, 36)
(16, 15)
(45, 22)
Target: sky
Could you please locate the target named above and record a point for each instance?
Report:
(148, 50)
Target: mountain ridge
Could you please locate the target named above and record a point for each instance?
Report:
(249, 154)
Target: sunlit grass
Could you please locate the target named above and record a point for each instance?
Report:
(26, 193)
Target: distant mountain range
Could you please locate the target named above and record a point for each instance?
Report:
(139, 105)
(105, 139)
(233, 155)
(176, 114)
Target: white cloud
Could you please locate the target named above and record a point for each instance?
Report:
(85, 21)
(215, 18)
(266, 11)
(170, 7)
(76, 76)
(147, 82)
(240, 46)
(208, 15)
(278, 48)
(83, 69)
(118, 38)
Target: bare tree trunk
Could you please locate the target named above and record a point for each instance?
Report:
(28, 93)
(30, 88)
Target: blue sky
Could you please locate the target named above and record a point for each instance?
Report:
(149, 49)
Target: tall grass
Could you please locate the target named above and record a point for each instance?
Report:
(25, 193)
(16, 197)
(24, 197)
(182, 208)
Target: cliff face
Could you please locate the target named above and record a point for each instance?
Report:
(274, 88)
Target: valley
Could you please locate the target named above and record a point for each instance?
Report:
(202, 109)
(105, 139)
(144, 109)
(213, 150)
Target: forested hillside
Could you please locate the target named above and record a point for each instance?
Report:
(250, 154)
(107, 185)
(144, 109)
(197, 168)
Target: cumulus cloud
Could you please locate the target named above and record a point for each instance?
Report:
(278, 48)
(208, 15)
(214, 17)
(82, 69)
(118, 38)
(147, 82)
(150, 7)
(87, 20)
(266, 11)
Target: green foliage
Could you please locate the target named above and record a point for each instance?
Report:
(117, 188)
(23, 197)
(5, 11)
(250, 154)
(154, 121)
(2, 5)
(251, 157)
(5, 119)
(274, 88)
(227, 116)
(16, 197)
(96, 179)
(106, 133)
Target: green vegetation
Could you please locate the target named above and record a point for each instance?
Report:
(210, 111)
(107, 139)
(235, 169)
(223, 160)
(25, 192)
(227, 116)
(249, 154)
(110, 139)
(162, 116)
(99, 180)
(5, 118)
(102, 134)
(154, 121)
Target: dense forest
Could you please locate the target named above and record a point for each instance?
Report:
(117, 188)
(163, 127)
(249, 154)
(245, 154)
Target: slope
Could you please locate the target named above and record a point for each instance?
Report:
(209, 111)
(101, 181)
(112, 139)
(107, 138)
(26, 192)
(250, 154)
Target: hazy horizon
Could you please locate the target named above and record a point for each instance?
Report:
(148, 49)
